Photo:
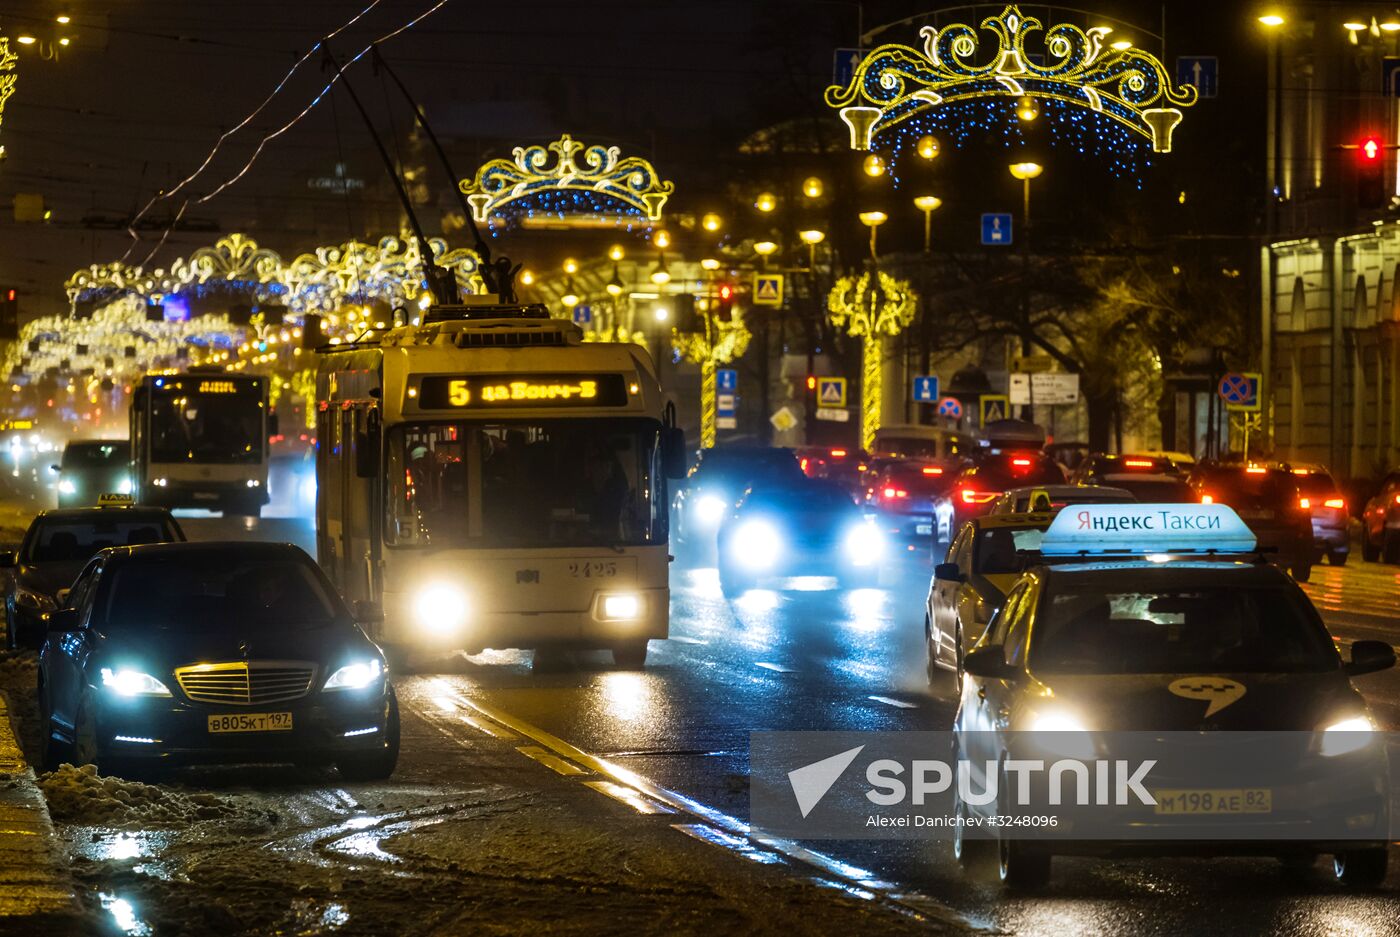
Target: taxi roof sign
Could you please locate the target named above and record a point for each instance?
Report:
(112, 500)
(1136, 529)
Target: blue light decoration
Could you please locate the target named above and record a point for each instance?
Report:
(593, 181)
(177, 308)
(1119, 104)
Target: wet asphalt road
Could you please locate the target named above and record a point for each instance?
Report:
(813, 657)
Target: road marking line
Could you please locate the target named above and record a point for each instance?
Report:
(551, 761)
(776, 668)
(629, 796)
(685, 640)
(717, 837)
(891, 701)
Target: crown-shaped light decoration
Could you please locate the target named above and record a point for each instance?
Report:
(603, 182)
(8, 77)
(895, 86)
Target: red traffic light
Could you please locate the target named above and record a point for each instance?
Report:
(1371, 148)
(726, 292)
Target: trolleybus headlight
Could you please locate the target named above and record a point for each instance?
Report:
(67, 487)
(124, 486)
(355, 676)
(622, 607)
(756, 545)
(133, 683)
(709, 509)
(864, 544)
(441, 607)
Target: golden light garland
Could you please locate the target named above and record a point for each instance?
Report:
(8, 76)
(724, 342)
(871, 308)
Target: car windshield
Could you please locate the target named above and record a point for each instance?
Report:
(217, 591)
(1218, 629)
(809, 498)
(187, 426)
(584, 482)
(96, 455)
(741, 467)
(66, 540)
(997, 549)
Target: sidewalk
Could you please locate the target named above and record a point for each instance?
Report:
(35, 891)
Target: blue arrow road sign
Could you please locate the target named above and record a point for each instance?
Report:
(996, 228)
(843, 65)
(583, 315)
(726, 380)
(1203, 71)
(926, 389)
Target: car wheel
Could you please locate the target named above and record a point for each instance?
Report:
(958, 672)
(86, 750)
(973, 854)
(1360, 868)
(52, 752)
(1302, 572)
(1337, 557)
(1369, 551)
(630, 656)
(377, 765)
(1021, 867)
(931, 667)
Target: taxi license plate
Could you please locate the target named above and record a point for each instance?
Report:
(250, 722)
(924, 530)
(1233, 800)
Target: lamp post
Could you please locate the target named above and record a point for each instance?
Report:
(764, 250)
(928, 204)
(1026, 171)
(873, 220)
(811, 238)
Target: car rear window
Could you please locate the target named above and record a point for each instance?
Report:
(1154, 490)
(1315, 483)
(915, 479)
(1243, 489)
(69, 541)
(95, 454)
(1089, 630)
(217, 592)
(1002, 474)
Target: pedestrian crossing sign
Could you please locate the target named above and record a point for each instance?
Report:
(995, 407)
(767, 289)
(831, 391)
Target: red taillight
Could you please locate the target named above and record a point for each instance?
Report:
(1138, 463)
(932, 470)
(1305, 503)
(1207, 499)
(1021, 463)
(804, 465)
(969, 496)
(1397, 499)
(1300, 471)
(893, 493)
(838, 453)
(1337, 503)
(1255, 470)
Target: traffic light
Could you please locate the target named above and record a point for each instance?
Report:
(1370, 174)
(685, 317)
(9, 314)
(724, 302)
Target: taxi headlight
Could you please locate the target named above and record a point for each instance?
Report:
(864, 544)
(132, 683)
(756, 544)
(1348, 735)
(67, 487)
(709, 509)
(124, 487)
(355, 676)
(440, 607)
(622, 607)
(37, 601)
(1062, 733)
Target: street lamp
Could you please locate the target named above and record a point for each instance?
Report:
(1026, 171)
(570, 297)
(1026, 109)
(570, 266)
(927, 204)
(616, 253)
(662, 239)
(812, 238)
(873, 220)
(711, 222)
(659, 274)
(710, 264)
(812, 187)
(1271, 20)
(765, 202)
(765, 249)
(874, 166)
(614, 285)
(928, 147)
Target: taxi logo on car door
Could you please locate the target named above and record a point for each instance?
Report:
(1219, 692)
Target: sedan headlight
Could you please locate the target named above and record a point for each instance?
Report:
(864, 544)
(1347, 735)
(35, 601)
(66, 486)
(132, 683)
(755, 545)
(624, 606)
(441, 607)
(1062, 733)
(709, 509)
(355, 676)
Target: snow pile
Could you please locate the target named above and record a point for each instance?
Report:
(80, 795)
(19, 671)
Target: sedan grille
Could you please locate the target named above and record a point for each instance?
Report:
(246, 684)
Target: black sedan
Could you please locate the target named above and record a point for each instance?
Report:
(213, 652)
(804, 528)
(54, 550)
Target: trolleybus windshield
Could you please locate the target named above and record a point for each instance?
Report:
(222, 423)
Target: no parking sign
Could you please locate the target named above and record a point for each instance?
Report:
(950, 407)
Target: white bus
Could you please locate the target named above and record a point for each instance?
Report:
(487, 480)
(200, 440)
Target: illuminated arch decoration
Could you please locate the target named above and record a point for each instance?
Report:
(721, 344)
(592, 180)
(1111, 101)
(355, 272)
(872, 307)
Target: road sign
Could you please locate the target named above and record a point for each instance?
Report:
(767, 289)
(1203, 71)
(726, 422)
(1032, 364)
(1240, 390)
(994, 407)
(726, 380)
(843, 65)
(926, 388)
(996, 229)
(783, 420)
(831, 391)
(950, 407)
(724, 402)
(834, 414)
(1054, 389)
(583, 314)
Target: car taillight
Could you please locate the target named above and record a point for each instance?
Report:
(970, 496)
(1021, 463)
(804, 465)
(1397, 499)
(1207, 499)
(932, 470)
(838, 453)
(1138, 463)
(892, 493)
(1337, 503)
(1256, 470)
(1305, 503)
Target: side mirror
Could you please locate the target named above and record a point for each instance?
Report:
(947, 572)
(989, 662)
(8, 560)
(64, 619)
(368, 611)
(673, 458)
(61, 597)
(1370, 656)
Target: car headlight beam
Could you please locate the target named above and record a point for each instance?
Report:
(1347, 735)
(355, 676)
(756, 544)
(710, 508)
(132, 683)
(66, 486)
(124, 488)
(864, 544)
(1062, 733)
